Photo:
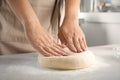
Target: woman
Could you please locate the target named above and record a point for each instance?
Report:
(36, 22)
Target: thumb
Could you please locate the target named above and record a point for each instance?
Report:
(62, 39)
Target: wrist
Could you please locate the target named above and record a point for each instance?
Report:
(32, 23)
(71, 16)
(69, 20)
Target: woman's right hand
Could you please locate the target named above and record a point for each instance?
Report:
(42, 41)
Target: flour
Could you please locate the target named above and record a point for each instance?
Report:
(99, 64)
(24, 69)
(31, 70)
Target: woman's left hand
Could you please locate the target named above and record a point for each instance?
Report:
(71, 35)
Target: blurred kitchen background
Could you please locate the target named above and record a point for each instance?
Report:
(100, 21)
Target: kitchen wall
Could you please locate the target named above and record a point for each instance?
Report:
(100, 27)
(101, 33)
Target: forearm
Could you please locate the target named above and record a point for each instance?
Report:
(71, 9)
(70, 32)
(23, 10)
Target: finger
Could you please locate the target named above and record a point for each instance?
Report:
(82, 44)
(62, 39)
(60, 50)
(49, 50)
(77, 44)
(85, 44)
(44, 52)
(39, 46)
(49, 36)
(71, 45)
(61, 45)
(49, 40)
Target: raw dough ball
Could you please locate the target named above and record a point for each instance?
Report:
(73, 61)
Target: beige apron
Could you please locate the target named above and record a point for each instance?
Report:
(12, 34)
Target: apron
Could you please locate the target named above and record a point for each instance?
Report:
(12, 33)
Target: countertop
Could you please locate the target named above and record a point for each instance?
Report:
(26, 67)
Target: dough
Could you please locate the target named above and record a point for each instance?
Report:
(73, 61)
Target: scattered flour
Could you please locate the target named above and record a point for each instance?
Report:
(27, 69)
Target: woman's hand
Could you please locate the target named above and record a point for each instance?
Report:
(71, 35)
(42, 41)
